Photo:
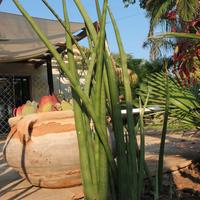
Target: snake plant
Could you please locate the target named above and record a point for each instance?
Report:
(105, 175)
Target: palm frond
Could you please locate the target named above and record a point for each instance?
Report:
(176, 35)
(187, 9)
(158, 12)
(158, 47)
(183, 104)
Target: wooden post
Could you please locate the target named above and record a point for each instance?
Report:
(50, 76)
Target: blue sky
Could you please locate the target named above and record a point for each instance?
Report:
(132, 22)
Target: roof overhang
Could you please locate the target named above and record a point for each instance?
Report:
(19, 42)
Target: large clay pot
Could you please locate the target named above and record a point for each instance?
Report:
(43, 148)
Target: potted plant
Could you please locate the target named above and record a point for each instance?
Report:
(36, 145)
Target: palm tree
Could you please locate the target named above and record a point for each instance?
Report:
(157, 10)
(170, 14)
(176, 16)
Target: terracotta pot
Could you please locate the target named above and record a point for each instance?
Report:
(43, 148)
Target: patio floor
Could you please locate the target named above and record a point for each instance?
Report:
(180, 151)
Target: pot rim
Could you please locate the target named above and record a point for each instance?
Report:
(51, 115)
(23, 123)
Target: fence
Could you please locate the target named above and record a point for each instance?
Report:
(13, 92)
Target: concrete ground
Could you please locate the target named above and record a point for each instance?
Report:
(180, 151)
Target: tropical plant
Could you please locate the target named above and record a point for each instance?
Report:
(138, 70)
(183, 104)
(128, 2)
(164, 10)
(159, 11)
(185, 18)
(189, 101)
(175, 16)
(178, 103)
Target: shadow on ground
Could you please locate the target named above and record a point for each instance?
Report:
(182, 183)
(182, 158)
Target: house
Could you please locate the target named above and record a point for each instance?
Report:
(26, 70)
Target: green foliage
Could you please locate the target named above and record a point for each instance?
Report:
(103, 175)
(183, 104)
(128, 2)
(170, 15)
(177, 35)
(141, 67)
(157, 9)
(178, 104)
(141, 2)
(138, 70)
(148, 67)
(187, 10)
